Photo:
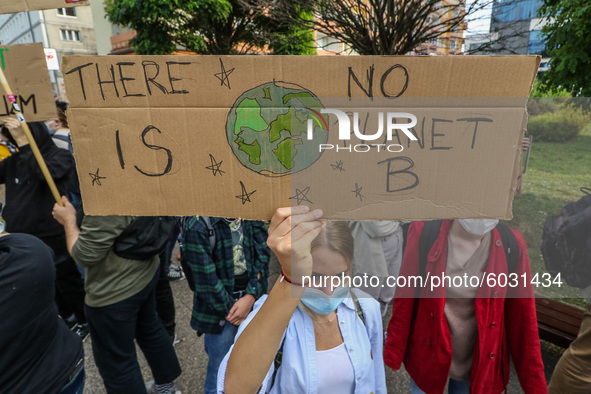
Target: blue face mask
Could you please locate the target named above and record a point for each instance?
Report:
(50, 129)
(321, 303)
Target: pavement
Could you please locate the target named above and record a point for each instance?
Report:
(193, 358)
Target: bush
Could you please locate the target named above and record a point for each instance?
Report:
(562, 125)
(542, 105)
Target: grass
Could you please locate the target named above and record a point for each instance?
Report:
(555, 173)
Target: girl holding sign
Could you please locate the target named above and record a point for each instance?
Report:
(306, 338)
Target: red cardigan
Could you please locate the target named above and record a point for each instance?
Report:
(419, 336)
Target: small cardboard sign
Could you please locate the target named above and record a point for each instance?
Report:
(51, 59)
(25, 69)
(360, 137)
(12, 6)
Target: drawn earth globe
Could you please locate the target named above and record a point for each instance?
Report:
(267, 128)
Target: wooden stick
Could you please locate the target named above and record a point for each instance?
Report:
(31, 140)
(531, 142)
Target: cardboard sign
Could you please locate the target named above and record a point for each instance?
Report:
(25, 69)
(12, 6)
(51, 59)
(239, 136)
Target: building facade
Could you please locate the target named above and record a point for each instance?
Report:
(70, 31)
(450, 42)
(518, 26)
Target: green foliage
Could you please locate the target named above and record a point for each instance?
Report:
(568, 40)
(542, 101)
(539, 90)
(214, 27)
(559, 126)
(153, 21)
(294, 39)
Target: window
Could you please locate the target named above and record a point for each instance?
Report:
(328, 44)
(67, 12)
(70, 35)
(452, 45)
(535, 44)
(434, 41)
(515, 10)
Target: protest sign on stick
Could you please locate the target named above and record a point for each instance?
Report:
(360, 137)
(17, 112)
(25, 69)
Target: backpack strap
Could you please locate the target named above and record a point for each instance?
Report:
(277, 363)
(426, 242)
(510, 245)
(210, 231)
(358, 308)
(65, 138)
(279, 356)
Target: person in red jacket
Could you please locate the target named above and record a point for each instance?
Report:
(464, 329)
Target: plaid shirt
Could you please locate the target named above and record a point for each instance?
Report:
(213, 270)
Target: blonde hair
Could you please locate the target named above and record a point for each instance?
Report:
(336, 236)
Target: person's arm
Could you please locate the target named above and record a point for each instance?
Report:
(90, 244)
(60, 162)
(66, 216)
(197, 253)
(290, 236)
(522, 329)
(257, 282)
(224, 364)
(16, 131)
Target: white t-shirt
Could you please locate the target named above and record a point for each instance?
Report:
(335, 371)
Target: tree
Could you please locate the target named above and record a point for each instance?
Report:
(215, 27)
(568, 40)
(379, 27)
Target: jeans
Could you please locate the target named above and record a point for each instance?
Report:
(453, 387)
(76, 385)
(216, 347)
(113, 329)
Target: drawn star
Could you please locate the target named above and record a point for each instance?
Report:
(96, 178)
(301, 195)
(215, 166)
(245, 197)
(223, 75)
(338, 166)
(357, 191)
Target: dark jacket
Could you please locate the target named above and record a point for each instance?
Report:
(37, 350)
(29, 200)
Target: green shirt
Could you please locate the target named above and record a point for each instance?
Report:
(109, 278)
